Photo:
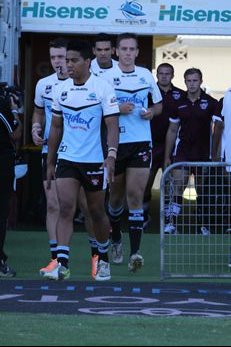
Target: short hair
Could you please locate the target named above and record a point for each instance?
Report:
(167, 65)
(58, 42)
(81, 46)
(124, 36)
(193, 70)
(103, 37)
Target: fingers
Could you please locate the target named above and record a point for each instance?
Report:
(36, 134)
(38, 141)
(146, 114)
(36, 137)
(130, 107)
(126, 107)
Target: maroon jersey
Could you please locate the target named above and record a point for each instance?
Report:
(195, 127)
(160, 123)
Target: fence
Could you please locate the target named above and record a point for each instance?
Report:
(195, 220)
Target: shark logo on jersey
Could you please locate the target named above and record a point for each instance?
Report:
(92, 96)
(64, 96)
(143, 80)
(76, 121)
(132, 9)
(48, 89)
(116, 81)
(204, 104)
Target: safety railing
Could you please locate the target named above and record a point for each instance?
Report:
(195, 228)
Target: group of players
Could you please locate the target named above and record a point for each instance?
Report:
(109, 127)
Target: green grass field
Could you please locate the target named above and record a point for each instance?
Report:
(27, 248)
(28, 251)
(60, 330)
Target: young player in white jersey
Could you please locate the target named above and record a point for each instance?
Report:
(132, 85)
(79, 106)
(103, 49)
(41, 122)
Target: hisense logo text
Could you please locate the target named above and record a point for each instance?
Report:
(40, 10)
(177, 13)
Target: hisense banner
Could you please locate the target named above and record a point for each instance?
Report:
(145, 17)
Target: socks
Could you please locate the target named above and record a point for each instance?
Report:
(115, 220)
(93, 245)
(135, 221)
(53, 248)
(63, 255)
(103, 250)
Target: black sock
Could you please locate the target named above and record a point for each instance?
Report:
(135, 220)
(115, 220)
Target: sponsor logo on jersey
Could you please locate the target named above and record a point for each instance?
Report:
(175, 95)
(75, 120)
(204, 104)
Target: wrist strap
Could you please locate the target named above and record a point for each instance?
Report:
(36, 125)
(114, 149)
(112, 154)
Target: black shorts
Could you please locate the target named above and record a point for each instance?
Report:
(91, 177)
(136, 154)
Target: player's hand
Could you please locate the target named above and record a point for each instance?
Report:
(146, 114)
(126, 107)
(36, 133)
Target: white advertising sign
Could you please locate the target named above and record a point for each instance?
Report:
(145, 17)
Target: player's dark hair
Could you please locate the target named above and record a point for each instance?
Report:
(193, 70)
(167, 65)
(81, 46)
(58, 42)
(103, 37)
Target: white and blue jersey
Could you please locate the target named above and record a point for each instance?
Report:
(134, 87)
(99, 71)
(82, 108)
(43, 100)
